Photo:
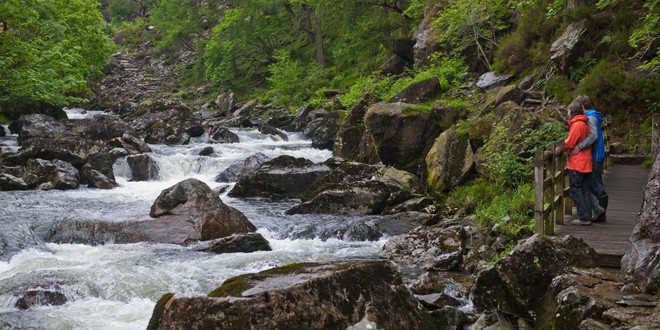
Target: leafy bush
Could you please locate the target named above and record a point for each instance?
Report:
(131, 34)
(560, 88)
(509, 153)
(448, 72)
(615, 90)
(491, 204)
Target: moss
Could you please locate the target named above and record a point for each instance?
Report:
(235, 286)
(231, 287)
(287, 269)
(416, 108)
(154, 322)
(147, 102)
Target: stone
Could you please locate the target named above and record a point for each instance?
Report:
(449, 162)
(566, 46)
(490, 80)
(640, 265)
(419, 92)
(429, 248)
(236, 171)
(282, 177)
(249, 242)
(516, 284)
(143, 167)
(301, 296)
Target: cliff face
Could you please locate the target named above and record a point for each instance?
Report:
(641, 264)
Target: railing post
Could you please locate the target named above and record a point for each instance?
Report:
(559, 164)
(538, 191)
(549, 215)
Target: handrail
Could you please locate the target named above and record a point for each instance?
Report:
(551, 187)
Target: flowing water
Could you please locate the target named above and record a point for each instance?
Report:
(116, 286)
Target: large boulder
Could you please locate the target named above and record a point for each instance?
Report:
(402, 136)
(249, 242)
(236, 171)
(323, 129)
(516, 284)
(350, 132)
(419, 92)
(354, 188)
(143, 167)
(449, 162)
(429, 248)
(38, 295)
(222, 135)
(184, 213)
(282, 177)
(641, 265)
(577, 296)
(427, 36)
(45, 175)
(194, 202)
(566, 47)
(300, 296)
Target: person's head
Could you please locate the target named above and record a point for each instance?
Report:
(574, 109)
(584, 102)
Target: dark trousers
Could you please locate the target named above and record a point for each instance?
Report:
(596, 185)
(578, 182)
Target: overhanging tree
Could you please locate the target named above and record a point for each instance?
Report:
(48, 50)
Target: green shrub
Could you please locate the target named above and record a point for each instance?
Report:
(131, 34)
(491, 204)
(560, 88)
(448, 72)
(509, 153)
(615, 90)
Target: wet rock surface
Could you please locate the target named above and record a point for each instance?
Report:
(301, 296)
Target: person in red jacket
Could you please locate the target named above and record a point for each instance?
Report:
(580, 164)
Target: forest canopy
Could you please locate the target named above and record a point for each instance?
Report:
(48, 51)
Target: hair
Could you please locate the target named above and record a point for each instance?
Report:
(584, 101)
(575, 108)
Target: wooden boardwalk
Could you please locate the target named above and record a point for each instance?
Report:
(625, 186)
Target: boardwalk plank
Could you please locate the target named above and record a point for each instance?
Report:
(625, 186)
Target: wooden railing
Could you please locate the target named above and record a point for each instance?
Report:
(551, 188)
(552, 196)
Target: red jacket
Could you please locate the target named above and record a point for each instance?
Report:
(579, 129)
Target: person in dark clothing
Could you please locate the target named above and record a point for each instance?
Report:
(596, 142)
(579, 164)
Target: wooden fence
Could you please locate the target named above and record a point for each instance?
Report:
(551, 188)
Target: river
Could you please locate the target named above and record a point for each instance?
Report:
(115, 286)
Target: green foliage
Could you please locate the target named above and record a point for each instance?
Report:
(561, 88)
(491, 203)
(474, 25)
(50, 49)
(509, 152)
(448, 71)
(529, 43)
(645, 37)
(639, 141)
(343, 39)
(179, 22)
(614, 89)
(131, 34)
(118, 11)
(290, 81)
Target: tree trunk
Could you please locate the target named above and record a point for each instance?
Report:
(318, 41)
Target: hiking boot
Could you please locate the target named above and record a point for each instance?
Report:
(601, 218)
(577, 222)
